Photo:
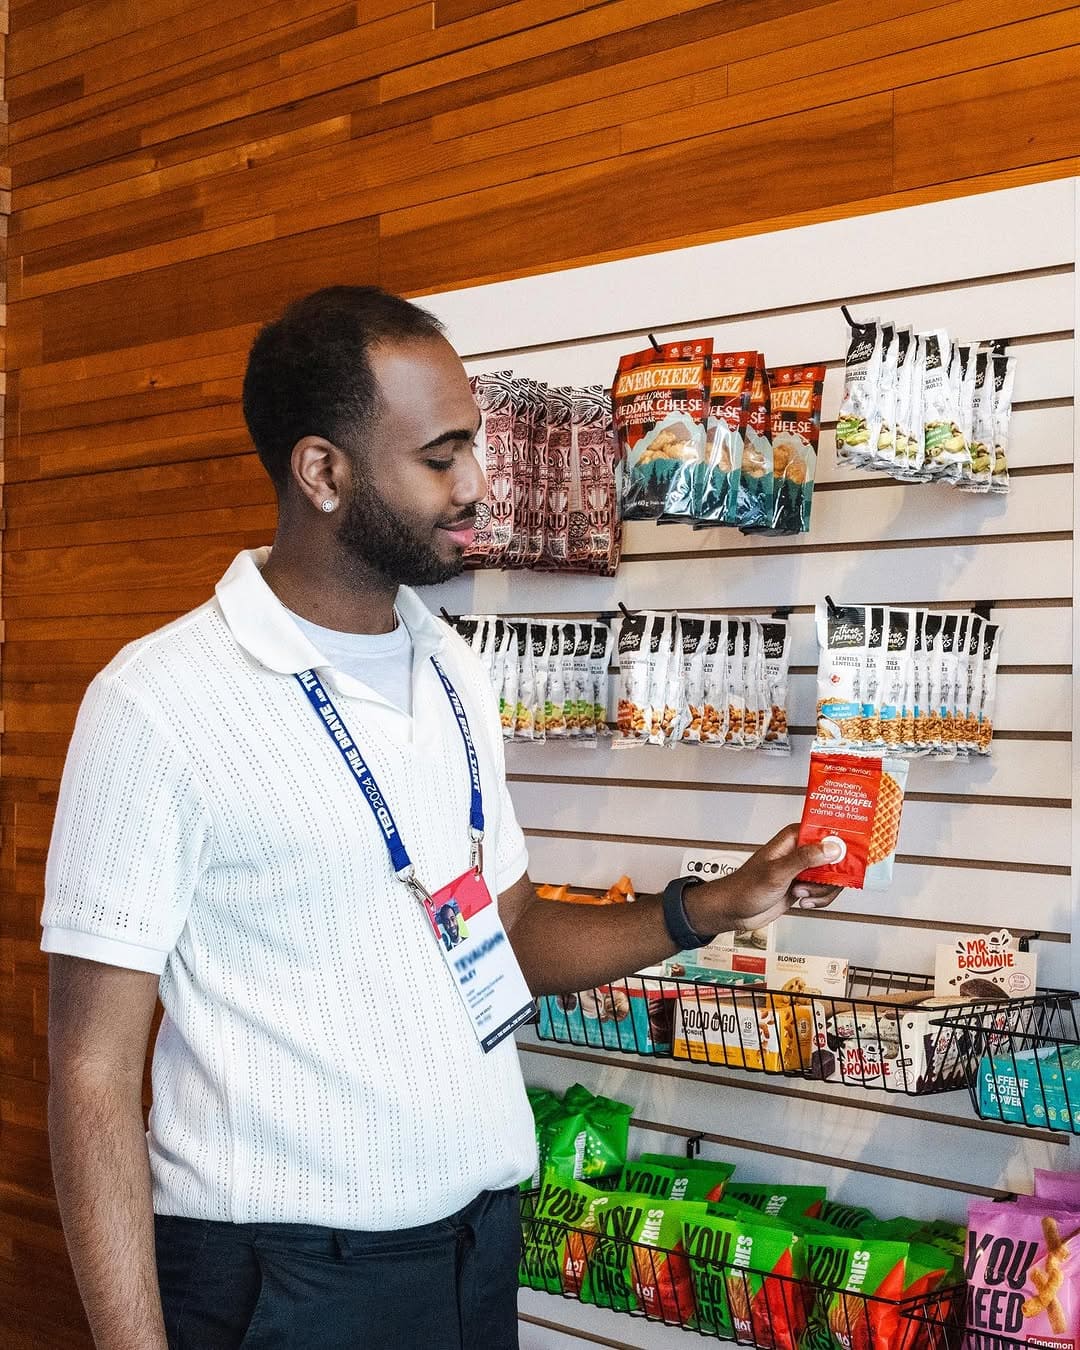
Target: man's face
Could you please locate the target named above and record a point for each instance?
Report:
(451, 926)
(415, 484)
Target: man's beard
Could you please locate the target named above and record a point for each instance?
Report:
(371, 531)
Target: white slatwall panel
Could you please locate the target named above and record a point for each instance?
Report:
(983, 843)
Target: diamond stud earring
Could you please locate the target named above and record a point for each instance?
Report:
(329, 505)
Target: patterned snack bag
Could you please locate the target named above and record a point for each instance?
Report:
(776, 646)
(659, 409)
(795, 392)
(842, 637)
(859, 1282)
(537, 460)
(857, 800)
(714, 712)
(778, 1201)
(670, 1178)
(603, 640)
(991, 649)
(1004, 375)
(661, 1273)
(495, 514)
(762, 1300)
(1023, 1283)
(981, 443)
(873, 676)
(540, 635)
(716, 499)
(595, 530)
(521, 472)
(757, 487)
(859, 422)
(634, 711)
(688, 726)
(555, 523)
(895, 345)
(735, 684)
(897, 678)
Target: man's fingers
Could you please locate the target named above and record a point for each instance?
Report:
(784, 848)
(806, 896)
(807, 856)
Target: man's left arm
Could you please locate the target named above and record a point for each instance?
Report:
(563, 948)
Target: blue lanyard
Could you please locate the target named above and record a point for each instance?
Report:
(338, 732)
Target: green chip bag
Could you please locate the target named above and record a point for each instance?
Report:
(672, 1178)
(557, 1233)
(858, 1282)
(779, 1201)
(748, 1280)
(661, 1272)
(847, 1218)
(607, 1131)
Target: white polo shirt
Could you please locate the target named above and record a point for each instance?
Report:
(315, 1063)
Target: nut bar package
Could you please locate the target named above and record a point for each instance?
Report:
(666, 682)
(748, 1278)
(581, 725)
(1004, 375)
(757, 488)
(669, 1178)
(659, 412)
(1023, 1275)
(967, 374)
(908, 459)
(511, 662)
(754, 713)
(796, 428)
(554, 525)
(857, 800)
(842, 638)
(716, 495)
(525, 695)
(776, 645)
(943, 681)
(735, 686)
(495, 514)
(637, 636)
(595, 529)
(858, 424)
(991, 647)
(968, 681)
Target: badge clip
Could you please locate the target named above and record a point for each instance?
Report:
(409, 877)
(476, 852)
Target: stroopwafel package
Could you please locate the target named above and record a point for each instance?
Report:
(854, 800)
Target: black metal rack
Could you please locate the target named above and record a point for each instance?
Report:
(764, 1309)
(873, 1037)
(1025, 1073)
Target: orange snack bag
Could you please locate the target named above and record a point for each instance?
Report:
(857, 800)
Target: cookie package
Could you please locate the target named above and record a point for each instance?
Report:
(855, 800)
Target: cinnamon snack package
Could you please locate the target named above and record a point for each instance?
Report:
(855, 799)
(1023, 1277)
(659, 409)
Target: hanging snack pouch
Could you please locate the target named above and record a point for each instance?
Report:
(525, 691)
(857, 800)
(968, 667)
(555, 697)
(943, 683)
(714, 711)
(634, 710)
(607, 1131)
(671, 1178)
(991, 640)
(691, 710)
(753, 684)
(1022, 1276)
(555, 520)
(858, 424)
(776, 645)
(859, 1283)
(795, 393)
(572, 654)
(1004, 375)
(595, 530)
(541, 636)
(599, 659)
(659, 409)
(537, 460)
(735, 684)
(778, 1202)
(667, 684)
(511, 679)
(716, 500)
(894, 346)
(661, 1273)
(928, 733)
(757, 490)
(909, 713)
(873, 676)
(897, 677)
(926, 634)
(495, 514)
(842, 638)
(907, 457)
(968, 369)
(764, 1301)
(981, 445)
(945, 449)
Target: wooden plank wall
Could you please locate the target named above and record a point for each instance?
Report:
(180, 169)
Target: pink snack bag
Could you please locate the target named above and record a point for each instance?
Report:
(1023, 1274)
(1059, 1188)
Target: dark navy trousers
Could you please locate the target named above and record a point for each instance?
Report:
(450, 1285)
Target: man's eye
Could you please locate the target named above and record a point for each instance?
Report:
(440, 464)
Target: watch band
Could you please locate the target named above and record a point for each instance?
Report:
(676, 921)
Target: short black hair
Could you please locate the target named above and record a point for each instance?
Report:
(308, 373)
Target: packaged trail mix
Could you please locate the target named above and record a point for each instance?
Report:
(776, 647)
(639, 642)
(716, 500)
(659, 410)
(842, 645)
(795, 393)
(756, 496)
(859, 422)
(1004, 369)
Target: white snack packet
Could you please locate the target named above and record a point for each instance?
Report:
(691, 711)
(945, 448)
(634, 711)
(776, 647)
(1004, 375)
(714, 711)
(735, 685)
(540, 635)
(991, 648)
(841, 632)
(859, 420)
(884, 456)
(897, 680)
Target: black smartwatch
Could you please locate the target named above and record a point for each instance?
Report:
(675, 918)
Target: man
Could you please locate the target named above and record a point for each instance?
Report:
(262, 807)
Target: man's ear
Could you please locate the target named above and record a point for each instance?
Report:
(319, 470)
